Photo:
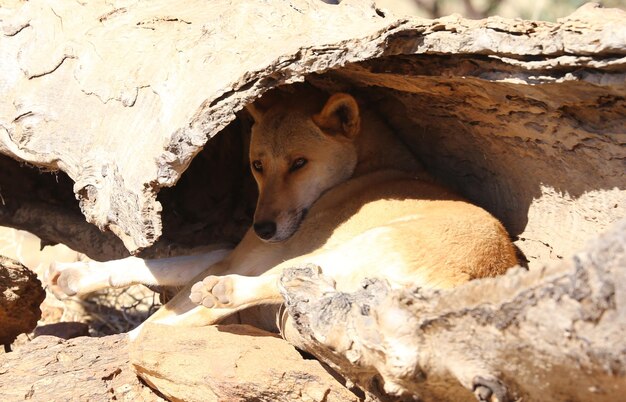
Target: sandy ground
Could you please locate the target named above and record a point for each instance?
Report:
(107, 312)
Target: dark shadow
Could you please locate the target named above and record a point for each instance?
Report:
(43, 203)
(245, 329)
(214, 200)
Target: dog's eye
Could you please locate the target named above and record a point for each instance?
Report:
(297, 164)
(257, 165)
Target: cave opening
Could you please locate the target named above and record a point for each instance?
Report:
(514, 148)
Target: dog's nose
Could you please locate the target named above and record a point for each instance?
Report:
(265, 230)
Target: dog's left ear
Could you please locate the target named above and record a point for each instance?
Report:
(258, 109)
(340, 115)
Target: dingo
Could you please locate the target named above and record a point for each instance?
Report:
(336, 189)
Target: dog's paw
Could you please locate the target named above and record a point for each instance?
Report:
(63, 279)
(213, 292)
(76, 278)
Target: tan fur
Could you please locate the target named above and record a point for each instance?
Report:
(372, 212)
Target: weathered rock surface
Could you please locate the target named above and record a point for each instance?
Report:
(227, 362)
(20, 296)
(551, 334)
(230, 363)
(525, 118)
(80, 369)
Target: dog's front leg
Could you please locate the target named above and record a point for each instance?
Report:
(229, 293)
(181, 311)
(83, 277)
(239, 292)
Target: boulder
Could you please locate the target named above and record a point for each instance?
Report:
(230, 363)
(79, 369)
(21, 295)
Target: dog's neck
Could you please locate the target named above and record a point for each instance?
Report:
(378, 148)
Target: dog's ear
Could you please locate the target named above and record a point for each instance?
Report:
(340, 115)
(255, 111)
(259, 107)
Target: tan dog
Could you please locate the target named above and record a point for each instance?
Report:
(336, 189)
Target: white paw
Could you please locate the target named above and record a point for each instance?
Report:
(213, 292)
(75, 278)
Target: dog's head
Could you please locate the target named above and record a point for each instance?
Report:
(297, 152)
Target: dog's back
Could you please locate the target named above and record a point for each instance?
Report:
(412, 232)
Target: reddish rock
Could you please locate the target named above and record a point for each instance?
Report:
(79, 369)
(20, 297)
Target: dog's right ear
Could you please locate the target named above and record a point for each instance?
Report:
(255, 111)
(259, 107)
(340, 115)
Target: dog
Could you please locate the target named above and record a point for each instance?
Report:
(337, 189)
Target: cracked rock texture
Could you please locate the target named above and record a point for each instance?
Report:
(221, 363)
(528, 119)
(85, 369)
(230, 363)
(20, 296)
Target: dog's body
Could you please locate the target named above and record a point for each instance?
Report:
(338, 190)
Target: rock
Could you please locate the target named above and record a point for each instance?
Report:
(20, 296)
(80, 369)
(230, 363)
(64, 330)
